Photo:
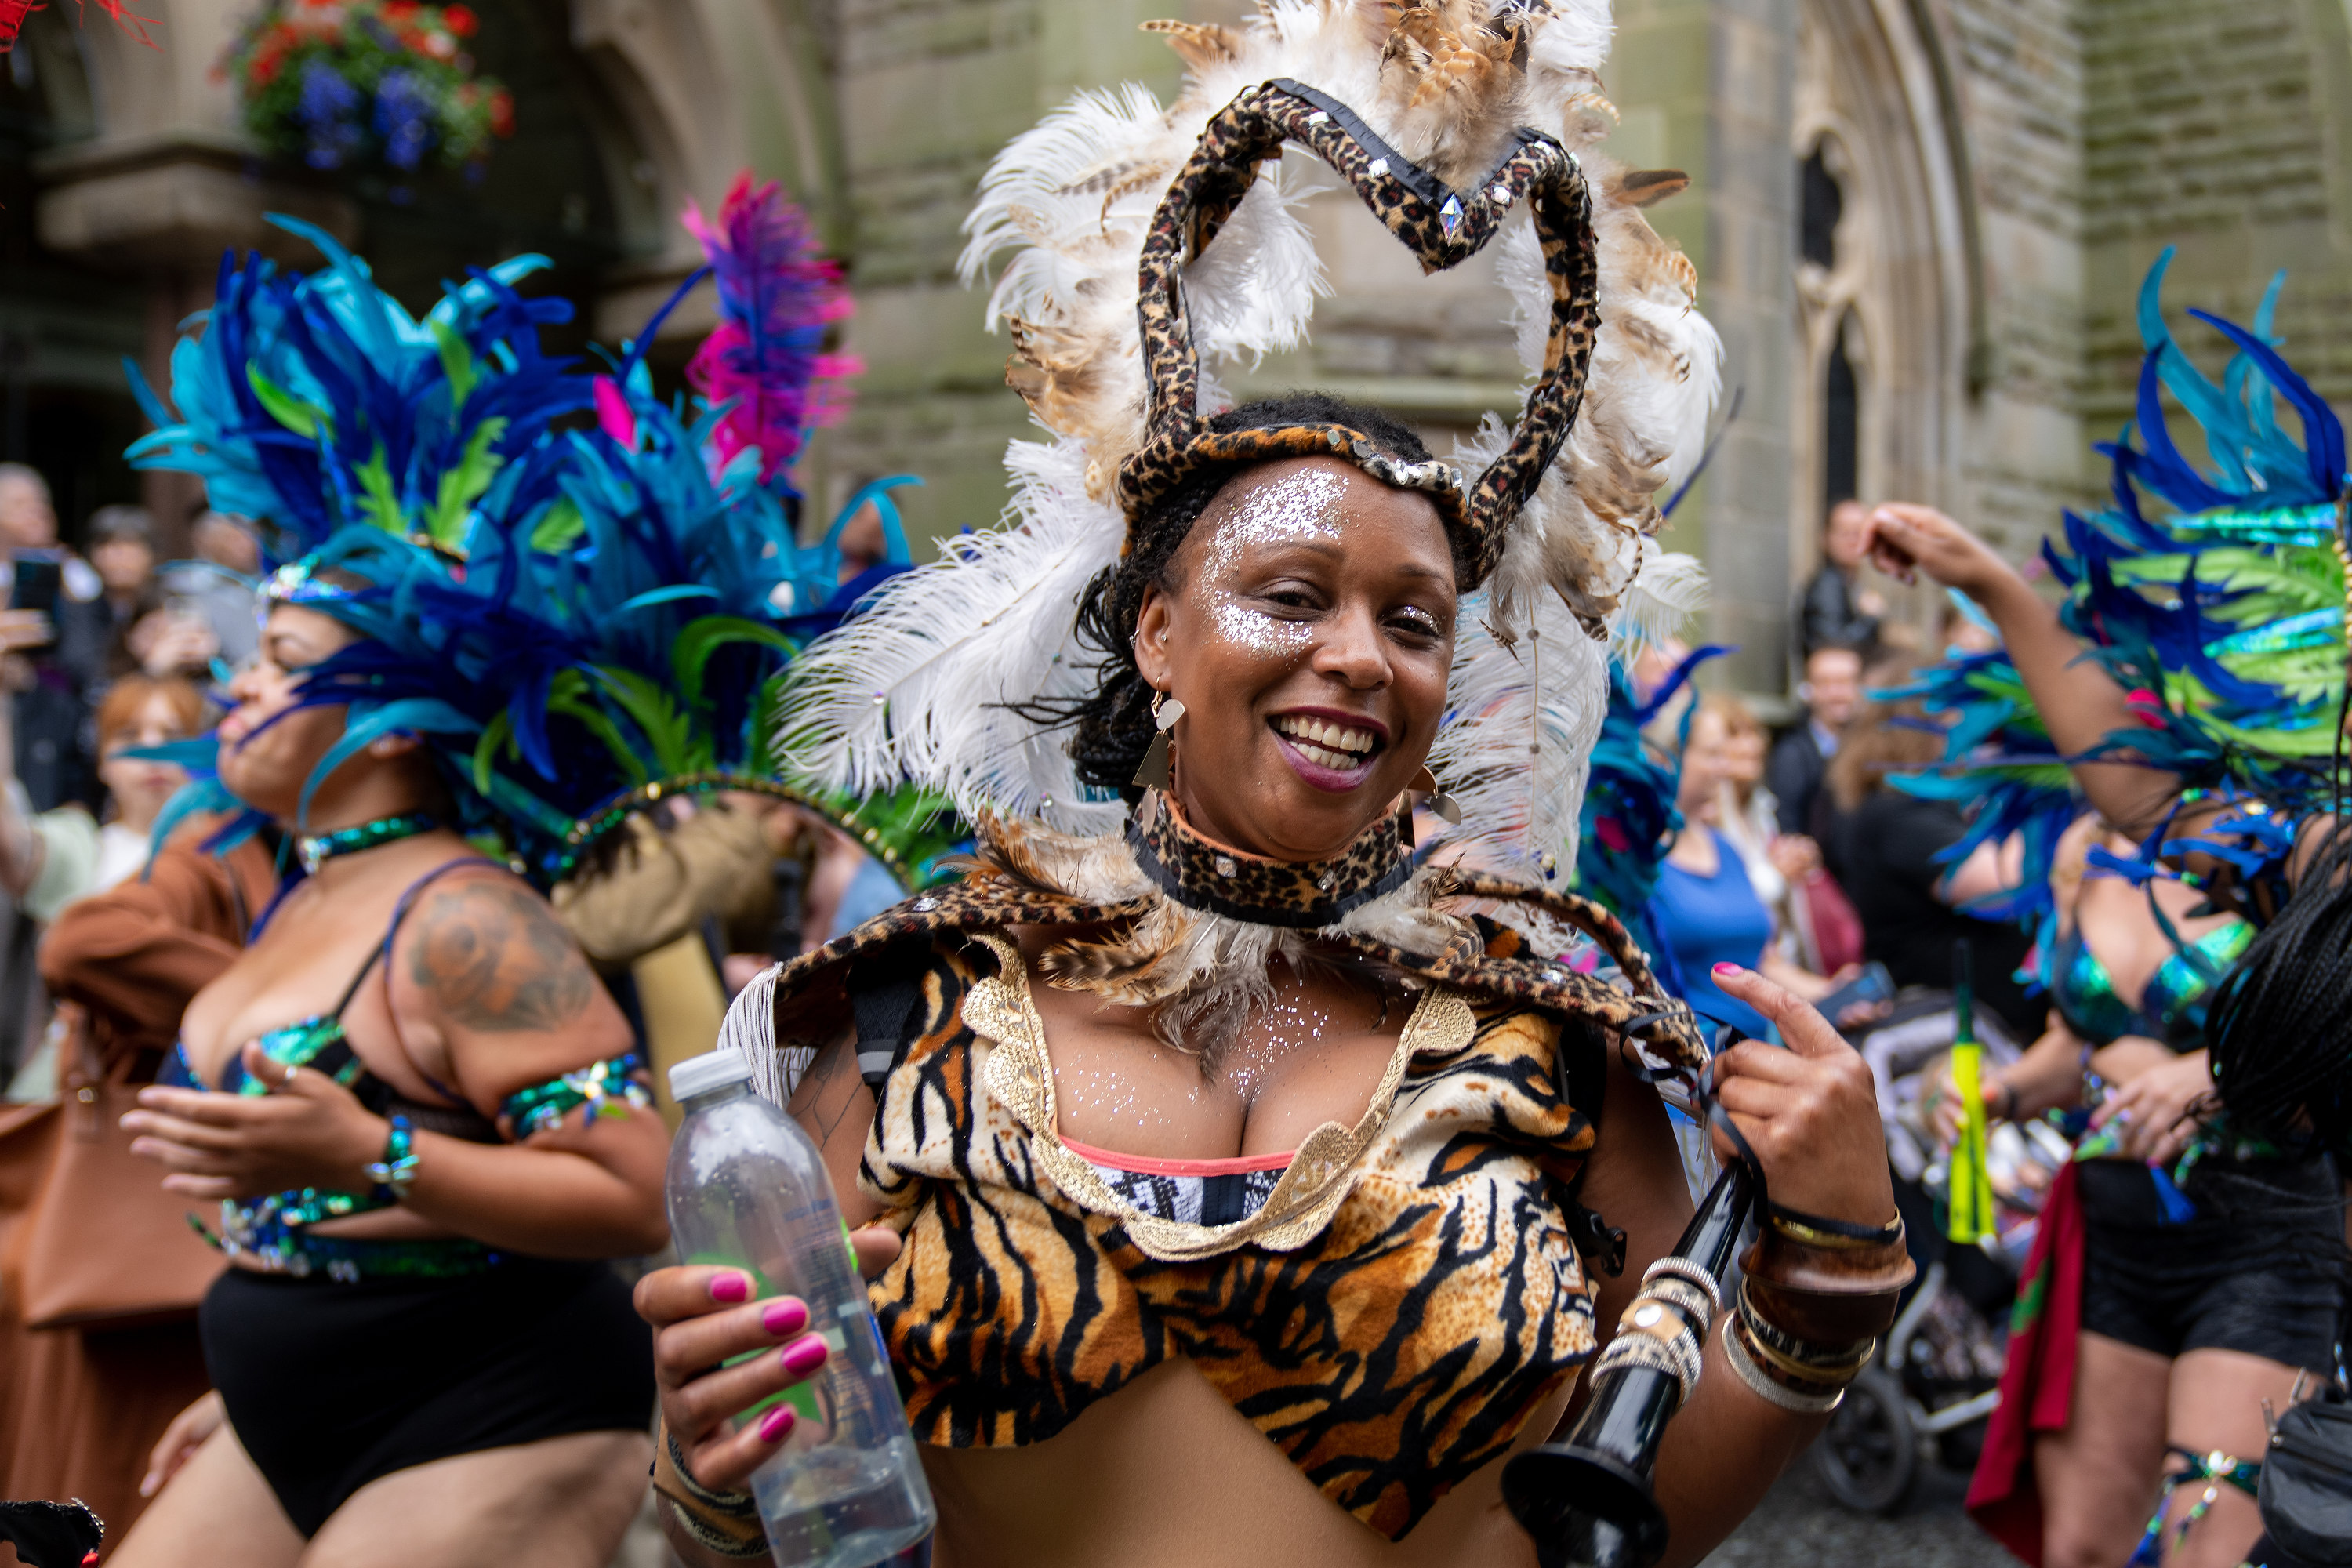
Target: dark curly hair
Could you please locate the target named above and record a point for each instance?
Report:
(1112, 728)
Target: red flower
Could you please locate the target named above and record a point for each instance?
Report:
(399, 11)
(502, 122)
(460, 20)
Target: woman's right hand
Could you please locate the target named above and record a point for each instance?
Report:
(188, 1432)
(1808, 1112)
(703, 1317)
(1907, 539)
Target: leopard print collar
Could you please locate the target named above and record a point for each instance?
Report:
(1306, 895)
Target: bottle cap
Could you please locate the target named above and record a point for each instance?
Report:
(700, 1075)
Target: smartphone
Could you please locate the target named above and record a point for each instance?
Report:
(1872, 985)
(39, 581)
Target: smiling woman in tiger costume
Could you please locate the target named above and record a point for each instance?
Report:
(1238, 1188)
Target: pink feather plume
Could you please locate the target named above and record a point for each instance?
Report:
(776, 295)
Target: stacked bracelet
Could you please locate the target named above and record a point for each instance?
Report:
(1663, 1329)
(1817, 1293)
(1797, 1395)
(726, 1525)
(394, 1172)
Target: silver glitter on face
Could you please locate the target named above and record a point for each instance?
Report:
(1299, 506)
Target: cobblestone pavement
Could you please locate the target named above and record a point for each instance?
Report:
(1798, 1527)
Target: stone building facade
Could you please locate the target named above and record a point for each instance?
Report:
(1918, 223)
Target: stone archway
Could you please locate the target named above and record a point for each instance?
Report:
(1883, 288)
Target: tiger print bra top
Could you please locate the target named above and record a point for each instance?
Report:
(1390, 1305)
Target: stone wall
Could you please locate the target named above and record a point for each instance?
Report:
(2020, 70)
(2221, 129)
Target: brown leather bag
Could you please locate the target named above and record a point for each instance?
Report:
(103, 1245)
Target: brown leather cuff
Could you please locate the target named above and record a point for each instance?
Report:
(724, 1523)
(1826, 1295)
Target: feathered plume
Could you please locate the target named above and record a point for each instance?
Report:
(565, 616)
(923, 684)
(2215, 598)
(314, 403)
(923, 678)
(2218, 598)
(766, 358)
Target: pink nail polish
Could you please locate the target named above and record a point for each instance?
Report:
(1726, 969)
(785, 1318)
(730, 1287)
(804, 1355)
(776, 1423)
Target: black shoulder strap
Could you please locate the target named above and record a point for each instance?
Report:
(886, 997)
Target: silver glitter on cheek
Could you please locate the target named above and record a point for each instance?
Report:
(1264, 634)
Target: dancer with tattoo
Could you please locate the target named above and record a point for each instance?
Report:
(415, 1343)
(495, 629)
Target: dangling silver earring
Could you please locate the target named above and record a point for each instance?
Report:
(1154, 772)
(1442, 804)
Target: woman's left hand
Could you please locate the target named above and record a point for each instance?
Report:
(2155, 1106)
(308, 1132)
(1810, 1111)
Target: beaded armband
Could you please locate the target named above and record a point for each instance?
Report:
(394, 1172)
(724, 1523)
(605, 1087)
(1663, 1329)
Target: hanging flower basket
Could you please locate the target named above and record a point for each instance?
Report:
(368, 85)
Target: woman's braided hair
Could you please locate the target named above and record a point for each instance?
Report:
(2282, 1056)
(1113, 726)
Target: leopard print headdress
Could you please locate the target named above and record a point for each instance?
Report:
(1151, 246)
(1442, 227)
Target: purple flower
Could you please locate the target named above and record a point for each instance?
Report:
(328, 112)
(403, 117)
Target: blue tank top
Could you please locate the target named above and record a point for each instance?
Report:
(1708, 920)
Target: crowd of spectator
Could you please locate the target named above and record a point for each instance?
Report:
(105, 649)
(1797, 854)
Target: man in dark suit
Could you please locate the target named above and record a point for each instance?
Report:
(1834, 613)
(1831, 691)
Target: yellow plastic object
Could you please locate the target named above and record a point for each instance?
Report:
(1971, 1191)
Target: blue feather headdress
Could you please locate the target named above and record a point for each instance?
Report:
(2214, 597)
(579, 596)
(1629, 817)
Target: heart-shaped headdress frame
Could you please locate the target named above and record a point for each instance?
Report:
(1444, 228)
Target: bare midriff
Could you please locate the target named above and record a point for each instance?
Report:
(1166, 1474)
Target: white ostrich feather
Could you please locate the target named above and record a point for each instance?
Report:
(1516, 752)
(1670, 588)
(917, 687)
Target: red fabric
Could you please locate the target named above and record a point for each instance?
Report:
(1836, 929)
(2037, 1386)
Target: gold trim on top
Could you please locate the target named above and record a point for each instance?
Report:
(1020, 1074)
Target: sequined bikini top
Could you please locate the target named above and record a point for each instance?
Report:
(273, 1231)
(2172, 1003)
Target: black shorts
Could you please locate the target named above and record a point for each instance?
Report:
(2259, 1269)
(331, 1385)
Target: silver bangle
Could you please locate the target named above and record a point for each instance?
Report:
(1772, 1393)
(1680, 1357)
(1675, 1266)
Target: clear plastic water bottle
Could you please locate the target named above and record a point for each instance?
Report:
(748, 1189)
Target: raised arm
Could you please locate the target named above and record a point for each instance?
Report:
(2079, 701)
